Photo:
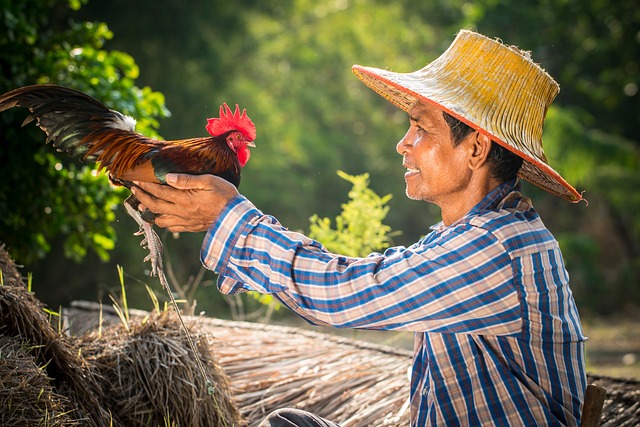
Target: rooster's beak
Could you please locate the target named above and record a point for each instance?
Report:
(251, 144)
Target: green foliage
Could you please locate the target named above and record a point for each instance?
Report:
(312, 113)
(289, 64)
(44, 194)
(359, 229)
(122, 312)
(607, 165)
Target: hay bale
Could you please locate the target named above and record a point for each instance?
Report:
(142, 376)
(151, 377)
(62, 374)
(10, 274)
(145, 375)
(22, 317)
(27, 394)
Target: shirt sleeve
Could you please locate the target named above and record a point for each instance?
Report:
(460, 282)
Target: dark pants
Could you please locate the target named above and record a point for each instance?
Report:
(295, 418)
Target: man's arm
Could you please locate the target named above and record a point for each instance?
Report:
(460, 284)
(188, 202)
(439, 287)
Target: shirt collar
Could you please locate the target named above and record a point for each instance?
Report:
(495, 199)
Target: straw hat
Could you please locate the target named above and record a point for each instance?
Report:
(494, 88)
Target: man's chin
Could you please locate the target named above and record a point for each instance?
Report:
(412, 196)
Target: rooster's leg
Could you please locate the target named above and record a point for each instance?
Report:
(151, 239)
(152, 242)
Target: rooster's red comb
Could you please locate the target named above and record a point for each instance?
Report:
(229, 121)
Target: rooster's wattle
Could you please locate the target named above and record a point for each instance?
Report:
(82, 126)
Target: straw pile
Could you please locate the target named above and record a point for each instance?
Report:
(151, 377)
(27, 395)
(24, 324)
(622, 405)
(350, 382)
(10, 274)
(138, 374)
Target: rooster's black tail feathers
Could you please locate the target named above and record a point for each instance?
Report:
(66, 115)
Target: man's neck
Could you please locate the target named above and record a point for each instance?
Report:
(457, 207)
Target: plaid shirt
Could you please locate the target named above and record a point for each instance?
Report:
(498, 339)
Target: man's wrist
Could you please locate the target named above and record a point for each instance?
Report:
(224, 232)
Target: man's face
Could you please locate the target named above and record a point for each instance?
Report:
(437, 171)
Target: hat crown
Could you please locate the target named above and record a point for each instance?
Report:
(493, 87)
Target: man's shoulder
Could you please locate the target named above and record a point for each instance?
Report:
(519, 231)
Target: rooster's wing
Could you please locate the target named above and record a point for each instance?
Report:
(82, 126)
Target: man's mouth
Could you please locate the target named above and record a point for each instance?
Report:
(410, 170)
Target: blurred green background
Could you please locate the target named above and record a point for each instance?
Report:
(172, 63)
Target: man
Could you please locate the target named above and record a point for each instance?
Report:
(498, 339)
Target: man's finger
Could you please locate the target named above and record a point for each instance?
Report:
(151, 201)
(158, 191)
(149, 187)
(179, 224)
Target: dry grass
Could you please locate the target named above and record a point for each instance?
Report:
(139, 374)
(151, 377)
(24, 320)
(27, 394)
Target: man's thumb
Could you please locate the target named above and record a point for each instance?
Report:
(171, 179)
(183, 181)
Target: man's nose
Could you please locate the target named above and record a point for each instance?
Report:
(404, 143)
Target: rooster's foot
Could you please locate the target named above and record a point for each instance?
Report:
(151, 239)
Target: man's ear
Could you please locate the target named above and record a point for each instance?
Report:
(479, 147)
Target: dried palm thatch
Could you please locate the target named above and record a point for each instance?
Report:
(349, 382)
(622, 405)
(151, 378)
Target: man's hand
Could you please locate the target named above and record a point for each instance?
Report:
(187, 203)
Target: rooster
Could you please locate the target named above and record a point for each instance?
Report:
(82, 126)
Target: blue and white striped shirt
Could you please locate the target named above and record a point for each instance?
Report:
(498, 339)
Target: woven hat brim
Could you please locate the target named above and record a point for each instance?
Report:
(395, 87)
